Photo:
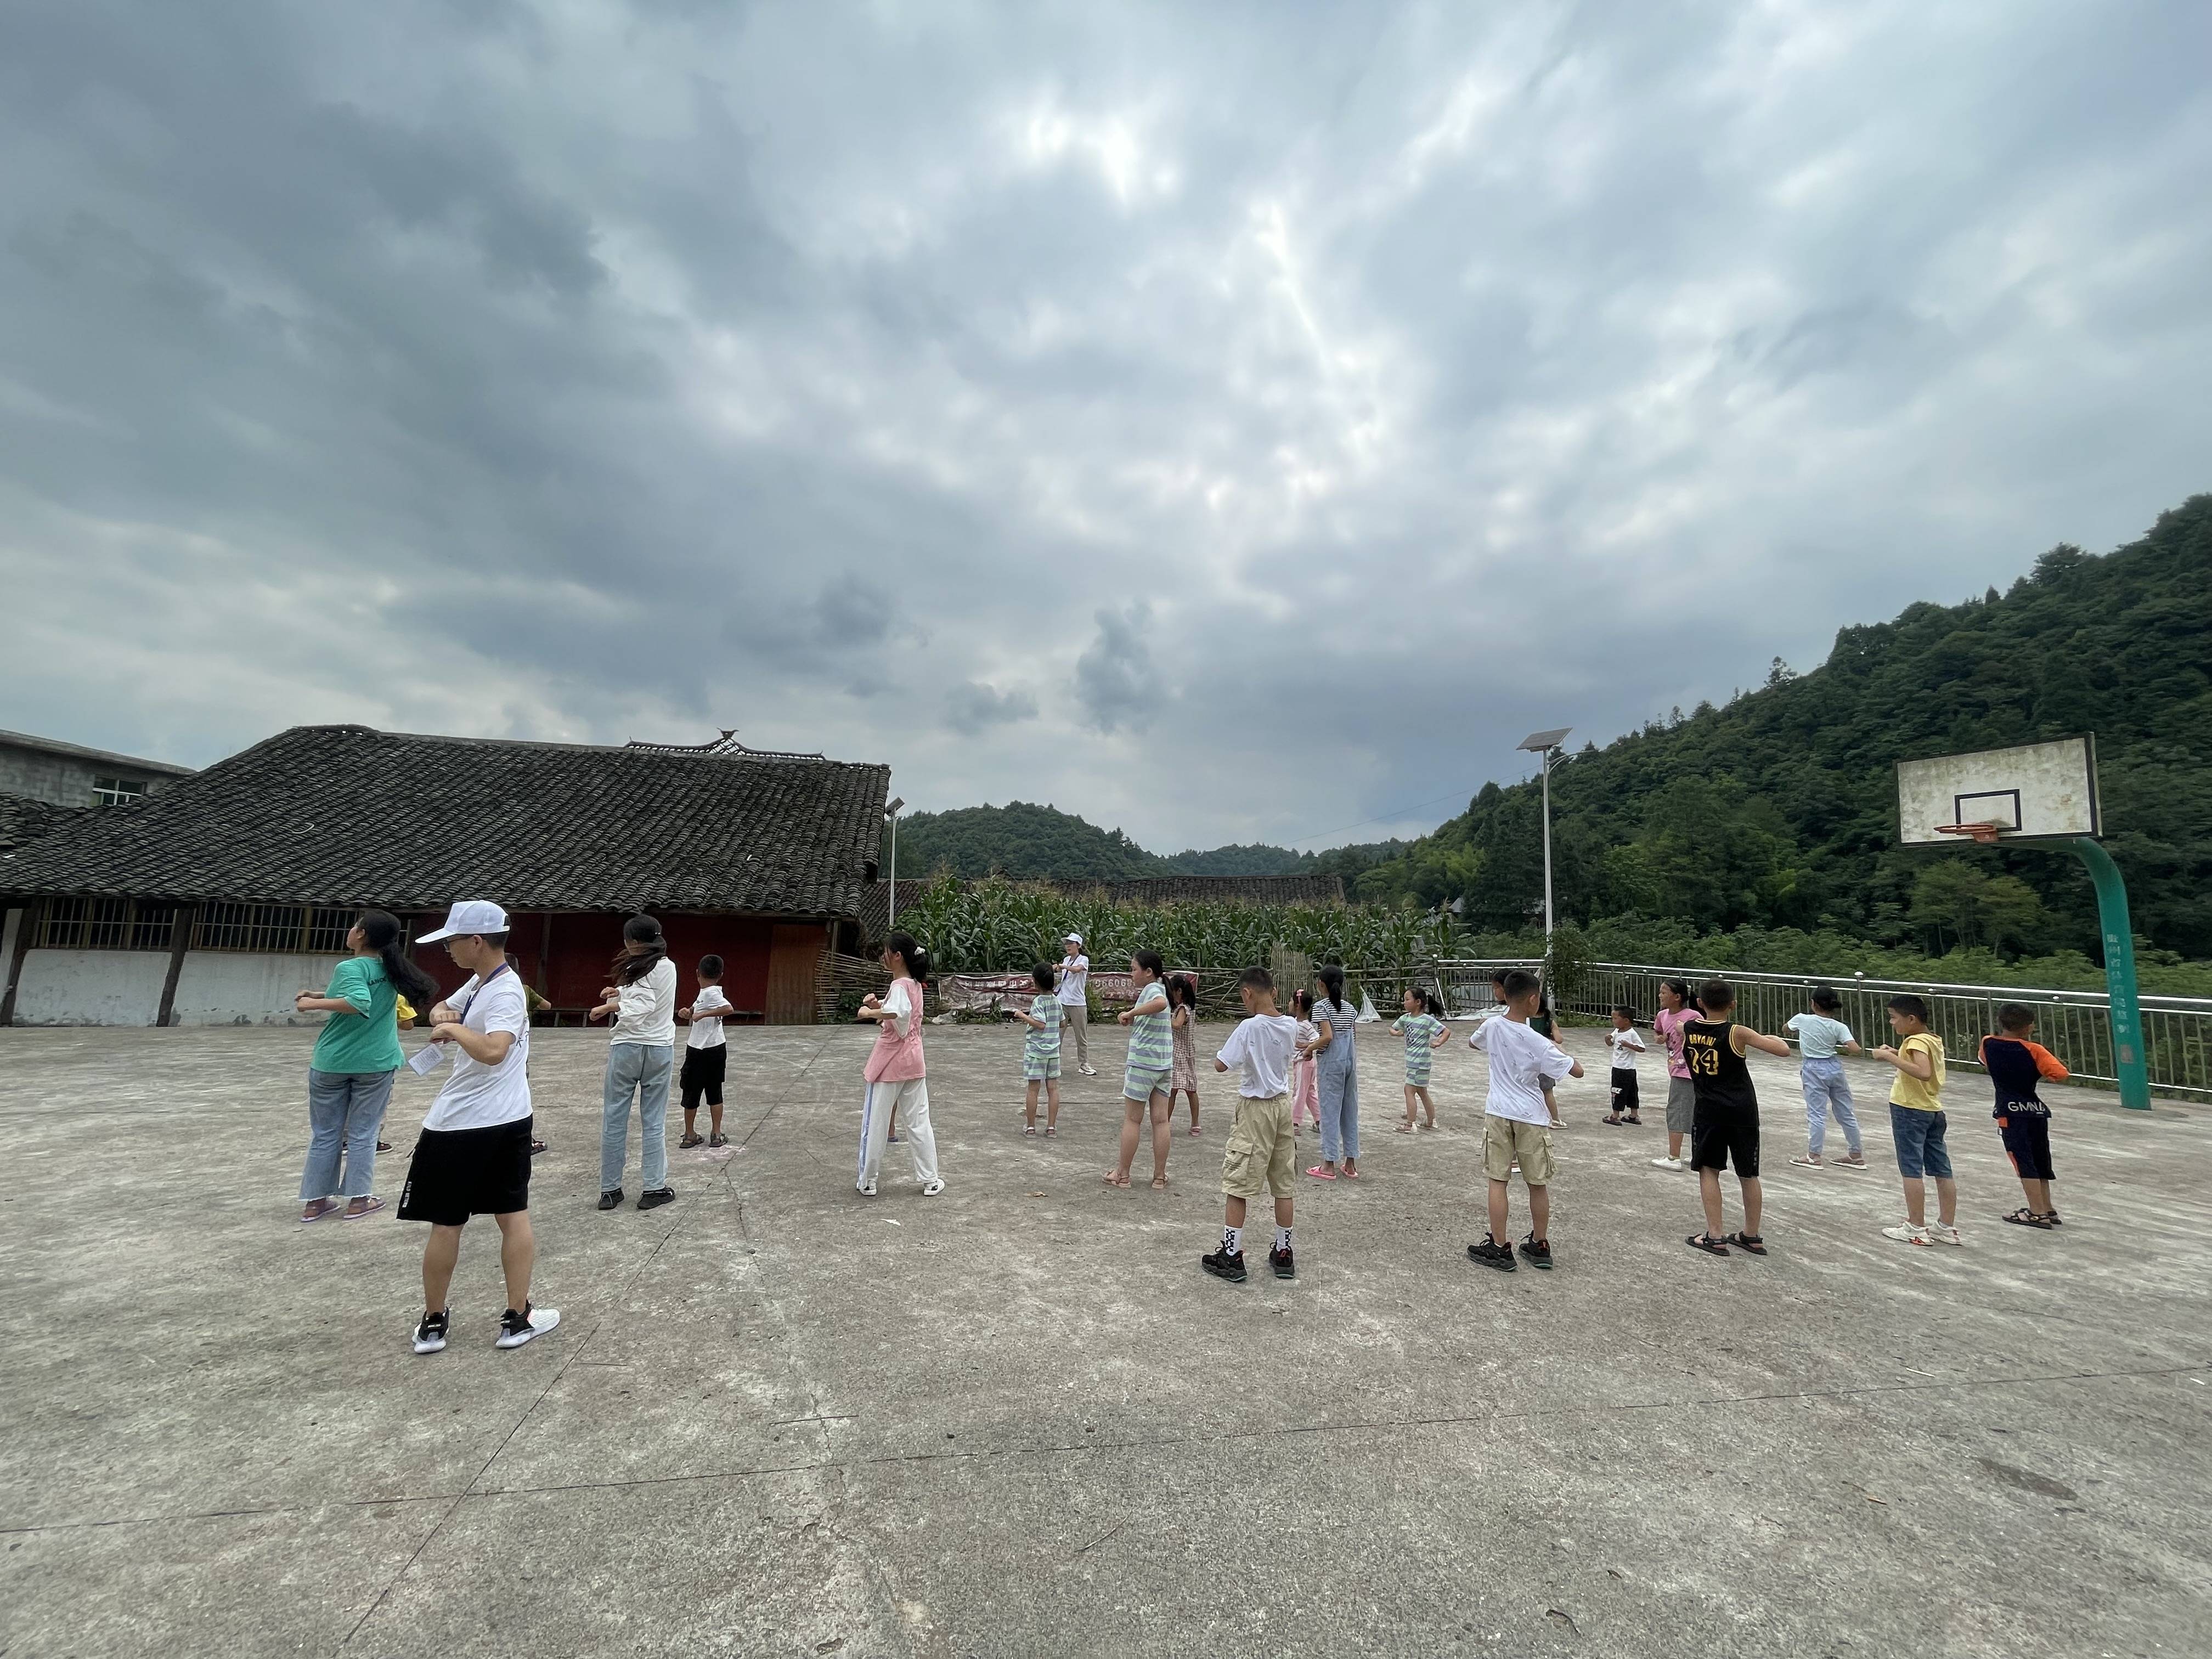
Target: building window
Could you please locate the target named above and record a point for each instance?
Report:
(317, 931)
(118, 791)
(107, 924)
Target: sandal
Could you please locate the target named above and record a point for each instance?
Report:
(2024, 1217)
(1348, 1172)
(383, 1146)
(1052, 1134)
(1632, 1118)
(718, 1140)
(1030, 1130)
(2051, 1216)
(536, 1145)
(1807, 1161)
(1708, 1244)
(369, 1206)
(689, 1141)
(1755, 1242)
(1159, 1183)
(1608, 1120)
(1404, 1129)
(1322, 1172)
(318, 1210)
(1113, 1179)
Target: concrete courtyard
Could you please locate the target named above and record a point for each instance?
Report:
(780, 1418)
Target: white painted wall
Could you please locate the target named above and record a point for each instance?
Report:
(123, 987)
(250, 987)
(90, 988)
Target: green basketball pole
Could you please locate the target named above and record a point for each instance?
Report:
(2119, 974)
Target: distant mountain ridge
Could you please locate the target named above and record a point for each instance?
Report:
(1037, 842)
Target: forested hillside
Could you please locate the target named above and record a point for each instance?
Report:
(1779, 809)
(1032, 842)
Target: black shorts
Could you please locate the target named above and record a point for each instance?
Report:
(458, 1173)
(702, 1074)
(1722, 1133)
(1624, 1090)
(2027, 1144)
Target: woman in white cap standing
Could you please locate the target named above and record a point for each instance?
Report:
(1075, 1000)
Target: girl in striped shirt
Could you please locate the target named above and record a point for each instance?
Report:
(1144, 1085)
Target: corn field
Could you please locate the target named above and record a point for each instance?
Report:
(996, 926)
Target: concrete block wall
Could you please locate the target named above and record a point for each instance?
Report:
(123, 987)
(65, 780)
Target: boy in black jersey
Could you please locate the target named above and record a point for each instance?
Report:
(2017, 1064)
(1726, 1123)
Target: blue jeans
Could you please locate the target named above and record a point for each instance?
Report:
(344, 1111)
(634, 1068)
(1921, 1147)
(1336, 1080)
(1826, 1090)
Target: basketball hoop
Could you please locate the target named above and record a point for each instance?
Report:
(1981, 834)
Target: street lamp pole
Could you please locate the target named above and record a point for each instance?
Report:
(891, 812)
(1544, 745)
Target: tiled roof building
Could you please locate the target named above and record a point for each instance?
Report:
(764, 860)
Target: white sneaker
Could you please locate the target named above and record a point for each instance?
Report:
(930, 1188)
(1906, 1233)
(1666, 1163)
(1940, 1234)
(517, 1328)
(1088, 1071)
(866, 1189)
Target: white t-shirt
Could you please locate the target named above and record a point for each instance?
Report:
(1521, 1061)
(1263, 1046)
(1819, 1036)
(706, 1032)
(477, 1096)
(1626, 1045)
(648, 1009)
(1074, 976)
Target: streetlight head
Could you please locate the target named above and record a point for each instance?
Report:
(893, 804)
(1538, 742)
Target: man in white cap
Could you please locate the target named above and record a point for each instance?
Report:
(1074, 982)
(473, 1157)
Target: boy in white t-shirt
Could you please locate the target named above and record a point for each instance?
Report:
(1261, 1156)
(706, 1055)
(1517, 1124)
(473, 1157)
(1626, 1046)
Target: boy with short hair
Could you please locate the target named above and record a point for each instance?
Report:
(706, 1053)
(1724, 1124)
(2016, 1065)
(1626, 1046)
(1821, 1035)
(1041, 1050)
(1261, 1156)
(473, 1157)
(1516, 1123)
(1917, 1126)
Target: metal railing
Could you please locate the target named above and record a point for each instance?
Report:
(2076, 1025)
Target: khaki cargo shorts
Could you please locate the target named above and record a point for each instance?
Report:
(1506, 1138)
(1262, 1154)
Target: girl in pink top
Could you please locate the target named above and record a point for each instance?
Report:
(1675, 1011)
(897, 1077)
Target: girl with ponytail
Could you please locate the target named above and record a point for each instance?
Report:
(641, 1055)
(1336, 1068)
(897, 1076)
(357, 1053)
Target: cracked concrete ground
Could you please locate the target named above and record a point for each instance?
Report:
(1016, 1419)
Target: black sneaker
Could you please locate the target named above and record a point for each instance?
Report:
(1222, 1265)
(430, 1335)
(1491, 1254)
(1537, 1251)
(656, 1198)
(610, 1200)
(1281, 1261)
(517, 1328)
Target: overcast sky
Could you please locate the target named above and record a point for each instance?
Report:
(1229, 422)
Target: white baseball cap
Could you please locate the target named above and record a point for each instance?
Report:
(469, 916)
(1071, 939)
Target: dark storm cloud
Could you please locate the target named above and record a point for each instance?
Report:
(1227, 422)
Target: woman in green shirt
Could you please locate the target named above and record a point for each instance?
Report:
(356, 1054)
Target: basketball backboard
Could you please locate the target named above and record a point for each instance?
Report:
(2037, 791)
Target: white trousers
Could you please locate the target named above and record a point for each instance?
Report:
(910, 1099)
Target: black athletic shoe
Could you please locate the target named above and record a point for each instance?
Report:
(1281, 1261)
(430, 1335)
(1537, 1252)
(517, 1328)
(1491, 1254)
(610, 1200)
(656, 1198)
(1222, 1265)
